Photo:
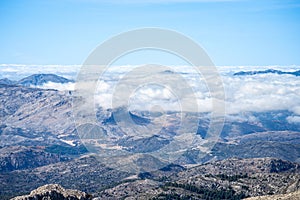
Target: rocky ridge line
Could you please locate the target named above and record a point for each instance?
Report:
(54, 192)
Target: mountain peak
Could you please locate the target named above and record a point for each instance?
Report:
(6, 81)
(40, 79)
(54, 192)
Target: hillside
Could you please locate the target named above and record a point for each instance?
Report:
(54, 192)
(40, 79)
(39, 145)
(289, 196)
(229, 179)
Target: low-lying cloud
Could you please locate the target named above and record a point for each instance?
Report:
(257, 93)
(254, 93)
(58, 86)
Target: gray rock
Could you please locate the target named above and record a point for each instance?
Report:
(20, 157)
(54, 192)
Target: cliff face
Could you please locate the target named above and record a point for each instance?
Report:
(54, 192)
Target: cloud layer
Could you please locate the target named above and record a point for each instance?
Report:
(255, 93)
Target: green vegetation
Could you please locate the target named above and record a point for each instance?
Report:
(172, 196)
(209, 194)
(229, 178)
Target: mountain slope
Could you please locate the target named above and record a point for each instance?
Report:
(6, 81)
(20, 157)
(289, 196)
(54, 192)
(40, 79)
(227, 179)
(86, 173)
(39, 117)
(31, 116)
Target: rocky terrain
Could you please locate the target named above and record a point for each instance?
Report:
(31, 116)
(86, 173)
(21, 157)
(39, 145)
(37, 117)
(226, 179)
(289, 196)
(54, 192)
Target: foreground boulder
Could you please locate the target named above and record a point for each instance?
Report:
(54, 192)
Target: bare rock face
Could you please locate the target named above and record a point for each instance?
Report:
(54, 192)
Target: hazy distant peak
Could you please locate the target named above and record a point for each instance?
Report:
(6, 81)
(268, 71)
(40, 79)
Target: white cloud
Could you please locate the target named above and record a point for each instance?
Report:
(9, 69)
(58, 86)
(293, 119)
(17, 71)
(259, 93)
(262, 93)
(295, 110)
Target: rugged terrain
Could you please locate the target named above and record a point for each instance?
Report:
(36, 80)
(289, 196)
(215, 180)
(39, 145)
(54, 192)
(21, 157)
(86, 173)
(37, 117)
(226, 179)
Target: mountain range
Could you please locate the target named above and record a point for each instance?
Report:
(268, 71)
(39, 145)
(36, 80)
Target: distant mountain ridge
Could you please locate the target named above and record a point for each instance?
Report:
(36, 80)
(268, 71)
(37, 133)
(40, 79)
(7, 81)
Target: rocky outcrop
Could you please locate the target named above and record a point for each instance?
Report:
(290, 196)
(54, 192)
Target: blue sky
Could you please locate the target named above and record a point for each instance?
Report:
(233, 32)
